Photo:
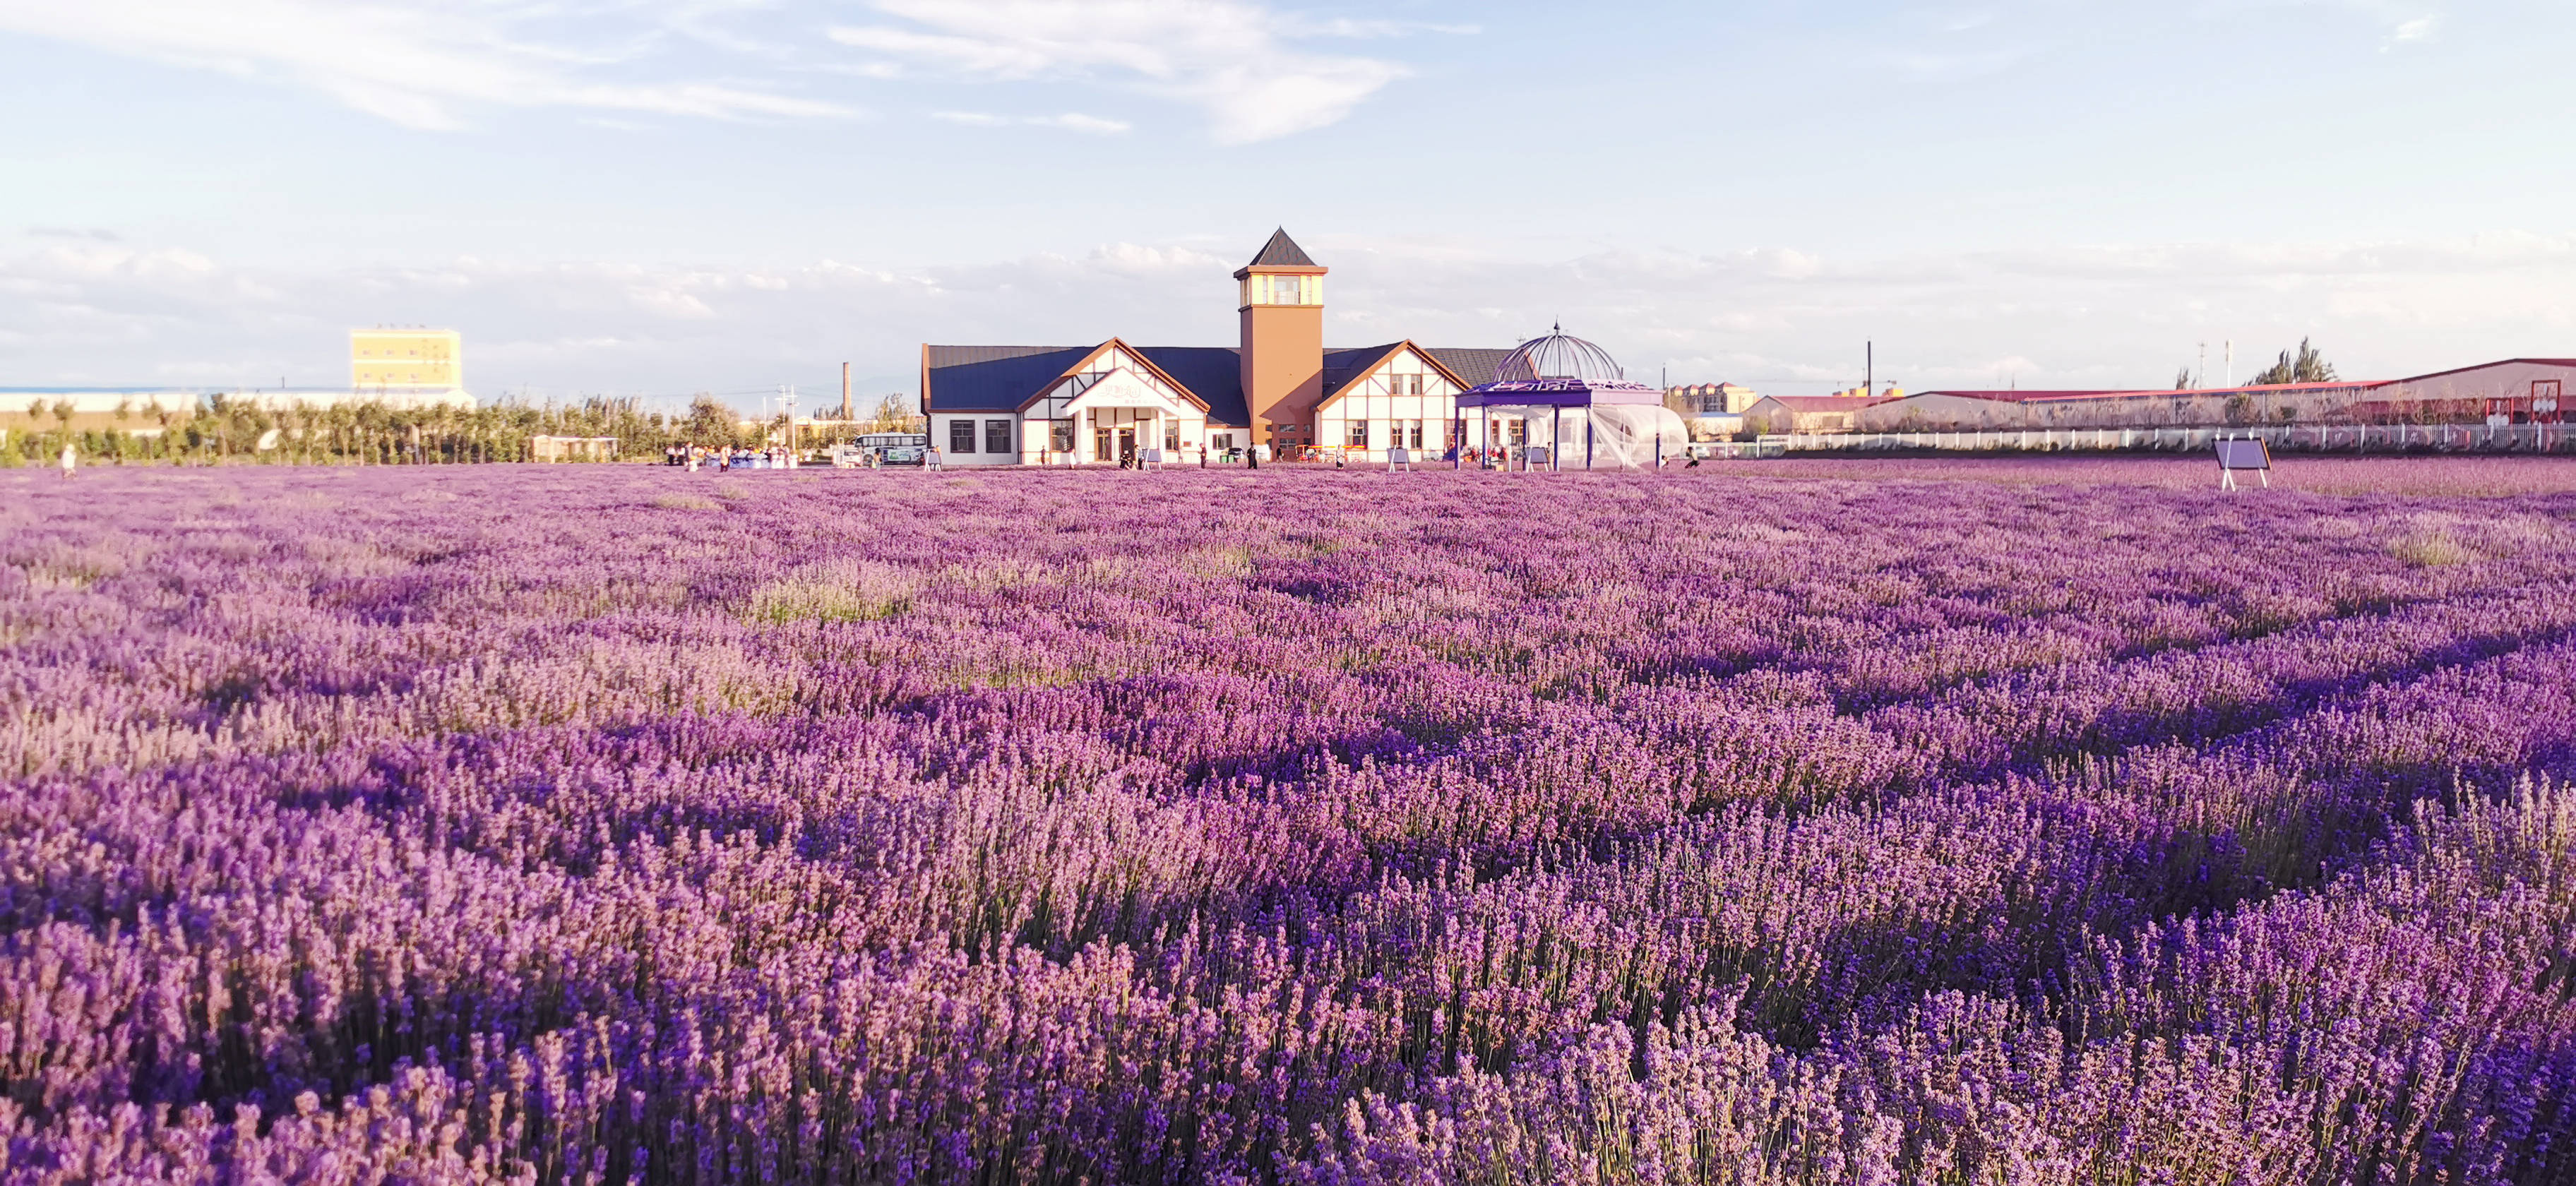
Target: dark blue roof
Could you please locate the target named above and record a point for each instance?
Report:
(1340, 366)
(1212, 373)
(993, 378)
(1475, 365)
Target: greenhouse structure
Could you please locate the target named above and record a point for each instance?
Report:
(1559, 403)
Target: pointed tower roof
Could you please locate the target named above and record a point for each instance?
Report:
(1282, 252)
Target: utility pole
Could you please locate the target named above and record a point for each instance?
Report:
(1868, 369)
(2200, 374)
(2231, 362)
(845, 392)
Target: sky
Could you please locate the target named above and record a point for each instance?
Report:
(659, 197)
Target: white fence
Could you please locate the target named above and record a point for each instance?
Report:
(2300, 438)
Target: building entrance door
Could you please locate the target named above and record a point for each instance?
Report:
(1126, 443)
(1100, 445)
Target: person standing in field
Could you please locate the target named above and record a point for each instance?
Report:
(71, 460)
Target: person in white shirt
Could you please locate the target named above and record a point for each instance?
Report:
(71, 460)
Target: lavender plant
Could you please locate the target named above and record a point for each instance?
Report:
(596, 825)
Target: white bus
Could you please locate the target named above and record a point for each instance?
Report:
(888, 448)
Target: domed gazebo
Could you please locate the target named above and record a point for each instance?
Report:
(1558, 402)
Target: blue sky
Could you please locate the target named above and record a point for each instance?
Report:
(662, 196)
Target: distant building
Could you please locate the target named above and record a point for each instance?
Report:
(406, 361)
(1951, 411)
(1773, 414)
(2512, 391)
(1279, 386)
(402, 368)
(1710, 399)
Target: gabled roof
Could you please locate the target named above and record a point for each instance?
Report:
(992, 378)
(1120, 345)
(2545, 362)
(1282, 252)
(1471, 366)
(1213, 373)
(1343, 366)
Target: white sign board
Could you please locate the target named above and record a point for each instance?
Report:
(2234, 456)
(2243, 455)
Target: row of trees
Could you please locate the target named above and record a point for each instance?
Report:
(231, 430)
(2307, 364)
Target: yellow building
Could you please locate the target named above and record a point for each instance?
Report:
(1711, 399)
(406, 361)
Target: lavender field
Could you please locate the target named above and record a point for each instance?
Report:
(585, 824)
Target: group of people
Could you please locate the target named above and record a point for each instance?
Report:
(694, 458)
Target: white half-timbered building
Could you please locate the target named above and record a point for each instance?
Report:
(1279, 386)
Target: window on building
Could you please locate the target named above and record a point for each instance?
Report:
(1172, 436)
(1358, 438)
(1220, 440)
(1283, 290)
(961, 436)
(1413, 434)
(1413, 384)
(1060, 436)
(997, 437)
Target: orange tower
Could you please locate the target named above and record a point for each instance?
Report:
(1283, 342)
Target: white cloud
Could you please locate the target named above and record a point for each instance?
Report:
(1071, 121)
(1781, 320)
(1233, 58)
(1075, 121)
(440, 64)
(2421, 28)
(422, 65)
